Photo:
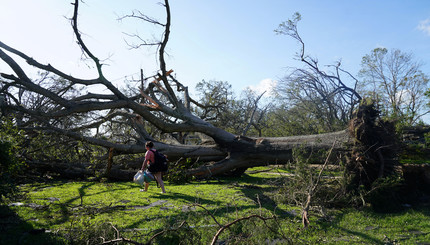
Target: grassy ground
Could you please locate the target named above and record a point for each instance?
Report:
(61, 212)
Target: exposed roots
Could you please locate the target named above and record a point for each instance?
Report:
(375, 150)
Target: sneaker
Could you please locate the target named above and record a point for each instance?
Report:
(142, 190)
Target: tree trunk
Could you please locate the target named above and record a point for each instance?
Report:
(249, 152)
(369, 147)
(244, 153)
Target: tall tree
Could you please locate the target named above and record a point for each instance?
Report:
(306, 92)
(217, 103)
(239, 115)
(428, 96)
(164, 104)
(255, 113)
(394, 78)
(321, 94)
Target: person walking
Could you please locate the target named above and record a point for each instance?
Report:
(150, 159)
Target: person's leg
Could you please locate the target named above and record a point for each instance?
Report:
(160, 181)
(146, 185)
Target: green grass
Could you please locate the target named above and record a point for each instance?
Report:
(415, 154)
(353, 226)
(63, 208)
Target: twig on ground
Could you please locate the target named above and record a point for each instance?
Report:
(207, 211)
(167, 230)
(215, 238)
(305, 211)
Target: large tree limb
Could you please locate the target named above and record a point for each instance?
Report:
(271, 151)
(48, 67)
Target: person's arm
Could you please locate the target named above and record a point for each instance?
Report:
(144, 164)
(148, 159)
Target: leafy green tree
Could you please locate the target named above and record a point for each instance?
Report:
(219, 105)
(428, 96)
(394, 78)
(216, 103)
(289, 121)
(10, 163)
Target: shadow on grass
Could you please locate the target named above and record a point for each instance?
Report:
(367, 215)
(244, 179)
(367, 238)
(218, 209)
(14, 230)
(251, 187)
(255, 188)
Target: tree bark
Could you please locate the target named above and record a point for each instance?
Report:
(247, 152)
(250, 152)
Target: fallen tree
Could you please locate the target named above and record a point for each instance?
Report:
(56, 104)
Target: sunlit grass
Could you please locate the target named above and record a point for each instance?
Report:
(64, 206)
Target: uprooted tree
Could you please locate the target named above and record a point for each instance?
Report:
(58, 104)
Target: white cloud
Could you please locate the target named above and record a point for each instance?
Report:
(404, 96)
(267, 85)
(424, 26)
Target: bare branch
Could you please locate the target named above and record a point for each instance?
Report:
(251, 117)
(81, 43)
(48, 68)
(142, 16)
(313, 187)
(215, 238)
(289, 28)
(142, 43)
(164, 231)
(25, 81)
(207, 211)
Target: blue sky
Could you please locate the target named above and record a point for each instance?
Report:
(223, 40)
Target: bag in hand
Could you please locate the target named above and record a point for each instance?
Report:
(139, 178)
